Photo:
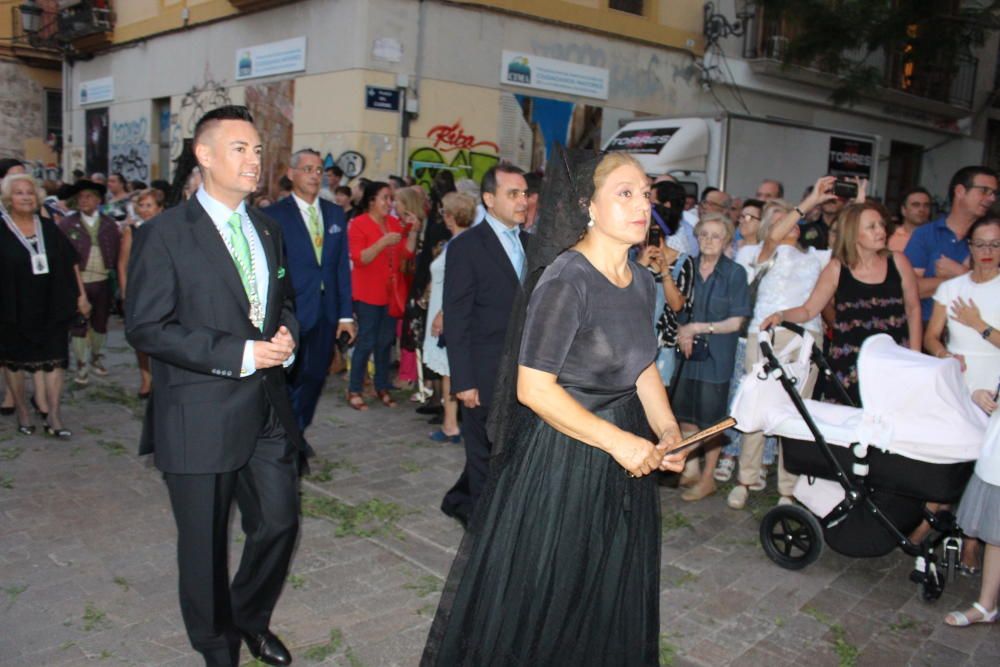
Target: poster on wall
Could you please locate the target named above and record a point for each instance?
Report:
(850, 157)
(97, 140)
(96, 91)
(559, 76)
(288, 55)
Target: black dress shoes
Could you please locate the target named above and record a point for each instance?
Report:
(430, 410)
(267, 648)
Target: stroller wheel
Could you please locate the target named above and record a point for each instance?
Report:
(791, 536)
(933, 584)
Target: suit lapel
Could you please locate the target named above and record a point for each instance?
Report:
(268, 242)
(210, 242)
(496, 251)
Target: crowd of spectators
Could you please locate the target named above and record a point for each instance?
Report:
(726, 268)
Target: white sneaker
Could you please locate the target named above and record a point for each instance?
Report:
(724, 470)
(737, 499)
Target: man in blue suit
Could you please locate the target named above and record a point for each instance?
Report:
(315, 238)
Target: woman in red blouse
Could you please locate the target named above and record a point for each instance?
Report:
(380, 244)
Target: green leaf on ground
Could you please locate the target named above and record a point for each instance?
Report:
(374, 517)
(112, 447)
(296, 581)
(123, 583)
(94, 618)
(667, 651)
(671, 520)
(6, 482)
(13, 592)
(321, 652)
(10, 453)
(410, 466)
(425, 585)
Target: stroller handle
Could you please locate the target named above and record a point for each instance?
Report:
(796, 329)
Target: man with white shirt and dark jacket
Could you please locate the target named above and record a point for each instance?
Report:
(209, 302)
(315, 236)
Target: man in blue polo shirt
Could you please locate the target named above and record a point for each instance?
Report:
(938, 250)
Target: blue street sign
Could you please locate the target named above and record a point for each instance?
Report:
(382, 99)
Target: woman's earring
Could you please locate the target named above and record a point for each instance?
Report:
(590, 223)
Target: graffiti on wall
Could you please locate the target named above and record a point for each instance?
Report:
(352, 162)
(130, 149)
(43, 171)
(454, 150)
(194, 104)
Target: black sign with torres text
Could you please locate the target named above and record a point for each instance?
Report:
(649, 141)
(850, 157)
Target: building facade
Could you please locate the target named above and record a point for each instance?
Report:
(405, 86)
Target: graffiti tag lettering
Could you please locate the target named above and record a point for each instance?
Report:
(453, 137)
(425, 163)
(130, 149)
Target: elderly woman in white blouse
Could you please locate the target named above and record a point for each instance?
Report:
(785, 276)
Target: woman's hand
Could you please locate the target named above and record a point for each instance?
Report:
(685, 338)
(772, 320)
(967, 313)
(391, 238)
(649, 256)
(985, 400)
(83, 305)
(413, 221)
(437, 326)
(822, 192)
(669, 439)
(637, 455)
(668, 255)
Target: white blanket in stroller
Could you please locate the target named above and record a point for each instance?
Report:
(915, 405)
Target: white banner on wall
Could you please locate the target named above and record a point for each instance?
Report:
(288, 55)
(96, 90)
(529, 71)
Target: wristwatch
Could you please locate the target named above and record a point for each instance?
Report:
(986, 332)
(711, 328)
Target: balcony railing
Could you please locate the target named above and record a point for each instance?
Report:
(952, 83)
(85, 23)
(41, 47)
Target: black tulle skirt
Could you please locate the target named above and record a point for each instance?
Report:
(561, 562)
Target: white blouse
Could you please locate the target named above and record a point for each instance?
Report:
(787, 284)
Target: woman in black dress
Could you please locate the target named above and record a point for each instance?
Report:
(561, 562)
(40, 293)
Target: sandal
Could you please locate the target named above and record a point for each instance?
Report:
(386, 398)
(958, 619)
(356, 401)
(724, 470)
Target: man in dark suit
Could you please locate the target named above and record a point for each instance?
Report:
(315, 235)
(209, 302)
(483, 272)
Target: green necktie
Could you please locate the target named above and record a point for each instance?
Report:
(316, 230)
(241, 253)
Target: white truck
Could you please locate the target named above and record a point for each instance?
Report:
(735, 153)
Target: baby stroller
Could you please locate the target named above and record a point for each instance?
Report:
(865, 473)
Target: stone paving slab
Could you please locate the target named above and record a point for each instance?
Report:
(88, 575)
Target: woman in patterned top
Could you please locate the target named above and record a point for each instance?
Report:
(674, 275)
(875, 291)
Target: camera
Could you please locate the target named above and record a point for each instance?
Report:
(845, 189)
(655, 235)
(342, 340)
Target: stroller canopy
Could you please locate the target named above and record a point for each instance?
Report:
(915, 405)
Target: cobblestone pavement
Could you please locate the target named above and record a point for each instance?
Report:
(88, 575)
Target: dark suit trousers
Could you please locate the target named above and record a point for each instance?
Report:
(312, 363)
(266, 491)
(462, 497)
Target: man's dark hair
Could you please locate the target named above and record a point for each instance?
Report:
(966, 177)
(397, 181)
(443, 183)
(753, 202)
(230, 112)
(8, 163)
(372, 188)
(707, 191)
(342, 190)
(335, 170)
(137, 185)
(534, 180)
(670, 192)
(285, 183)
(489, 182)
(121, 177)
(163, 186)
(781, 186)
(919, 189)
